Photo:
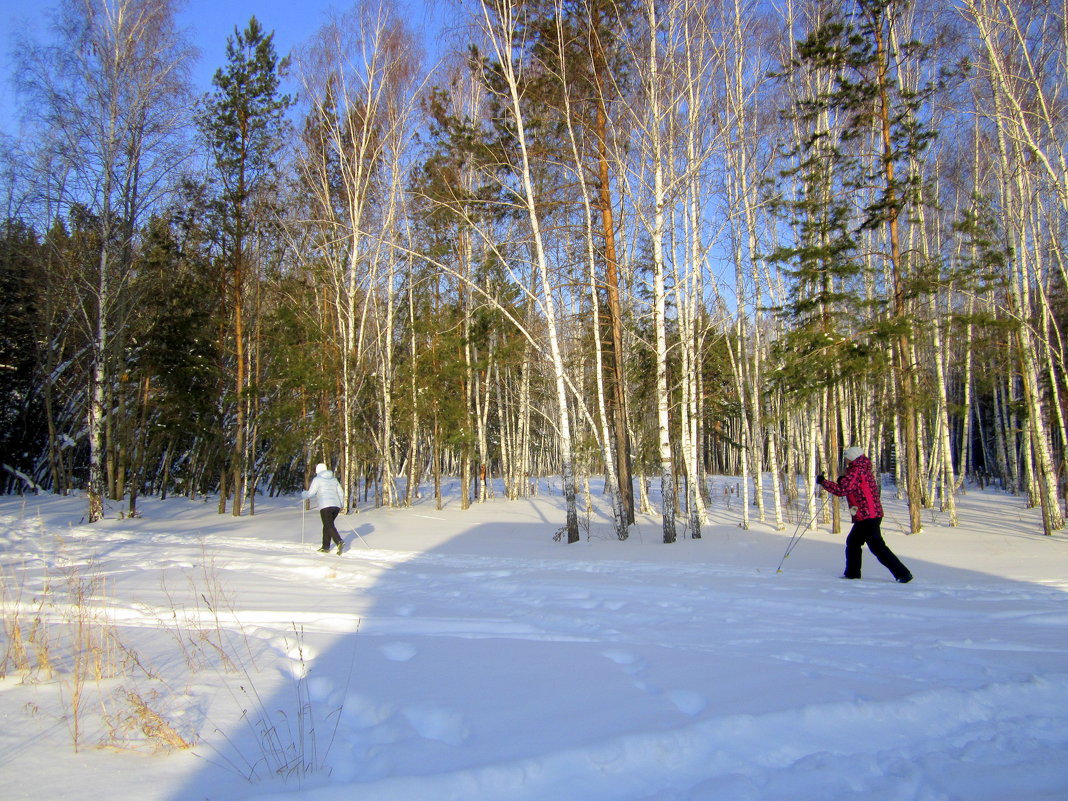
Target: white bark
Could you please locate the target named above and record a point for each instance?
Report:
(356, 75)
(109, 97)
(619, 517)
(658, 156)
(500, 26)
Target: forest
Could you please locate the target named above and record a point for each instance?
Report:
(649, 241)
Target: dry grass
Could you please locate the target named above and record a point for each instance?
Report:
(27, 649)
(16, 656)
(65, 632)
(198, 628)
(138, 722)
(287, 736)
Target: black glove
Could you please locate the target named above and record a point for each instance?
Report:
(820, 479)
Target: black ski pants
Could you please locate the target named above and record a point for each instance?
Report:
(330, 535)
(867, 532)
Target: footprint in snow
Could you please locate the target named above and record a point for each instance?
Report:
(363, 712)
(398, 651)
(293, 669)
(620, 657)
(295, 648)
(687, 701)
(632, 664)
(433, 723)
(319, 688)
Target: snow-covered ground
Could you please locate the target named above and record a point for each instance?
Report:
(466, 655)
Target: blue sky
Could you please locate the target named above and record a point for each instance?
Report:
(209, 23)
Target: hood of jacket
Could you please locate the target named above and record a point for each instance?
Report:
(326, 474)
(862, 462)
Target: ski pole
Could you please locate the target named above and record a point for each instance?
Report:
(898, 524)
(358, 534)
(796, 538)
(355, 531)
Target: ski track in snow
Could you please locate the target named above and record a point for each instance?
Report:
(704, 681)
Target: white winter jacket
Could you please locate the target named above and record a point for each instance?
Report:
(325, 490)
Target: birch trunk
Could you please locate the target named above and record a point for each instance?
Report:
(95, 490)
(612, 447)
(658, 156)
(1019, 304)
(502, 38)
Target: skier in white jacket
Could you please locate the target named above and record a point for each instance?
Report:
(326, 491)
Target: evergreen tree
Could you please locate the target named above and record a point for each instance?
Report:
(179, 355)
(585, 75)
(243, 123)
(856, 171)
(22, 433)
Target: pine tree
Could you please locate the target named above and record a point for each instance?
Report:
(180, 351)
(243, 123)
(856, 165)
(22, 433)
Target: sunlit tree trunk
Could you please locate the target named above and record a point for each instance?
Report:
(500, 25)
(613, 442)
(107, 97)
(658, 157)
(356, 74)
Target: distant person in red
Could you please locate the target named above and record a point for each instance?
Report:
(861, 491)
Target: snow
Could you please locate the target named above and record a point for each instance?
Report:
(454, 654)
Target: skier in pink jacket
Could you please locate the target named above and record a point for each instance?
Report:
(861, 491)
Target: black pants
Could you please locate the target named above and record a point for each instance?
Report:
(330, 535)
(866, 532)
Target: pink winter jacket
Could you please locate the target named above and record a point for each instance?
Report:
(860, 489)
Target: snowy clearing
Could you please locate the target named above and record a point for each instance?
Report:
(466, 655)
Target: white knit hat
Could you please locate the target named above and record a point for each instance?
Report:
(853, 452)
(320, 468)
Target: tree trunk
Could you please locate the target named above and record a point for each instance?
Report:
(95, 491)
(904, 366)
(503, 42)
(617, 398)
(663, 399)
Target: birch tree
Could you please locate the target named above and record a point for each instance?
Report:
(613, 450)
(1021, 56)
(500, 25)
(657, 154)
(109, 99)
